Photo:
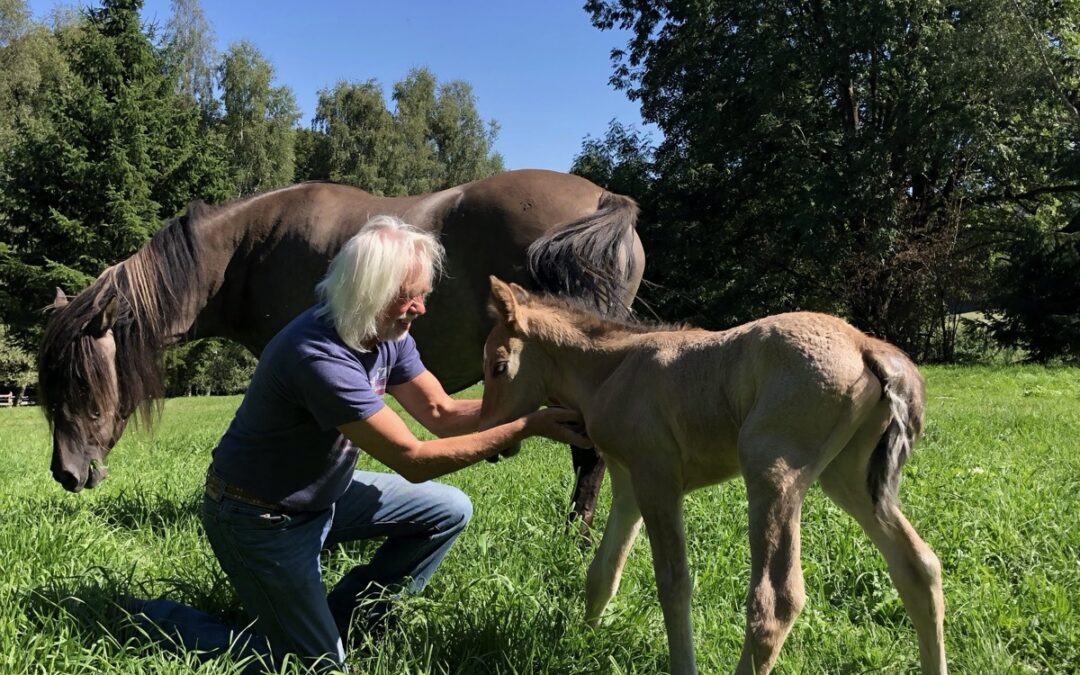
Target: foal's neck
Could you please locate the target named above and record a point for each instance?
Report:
(580, 369)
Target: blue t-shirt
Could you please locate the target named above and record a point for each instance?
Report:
(283, 444)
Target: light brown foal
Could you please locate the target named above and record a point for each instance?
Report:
(782, 401)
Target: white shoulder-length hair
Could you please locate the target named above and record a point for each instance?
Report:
(368, 272)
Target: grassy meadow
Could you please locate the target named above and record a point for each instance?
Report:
(994, 488)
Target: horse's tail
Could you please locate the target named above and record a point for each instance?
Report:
(903, 387)
(596, 258)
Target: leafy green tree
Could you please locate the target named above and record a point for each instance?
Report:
(413, 166)
(258, 121)
(621, 161)
(190, 54)
(312, 151)
(433, 140)
(101, 160)
(205, 367)
(854, 157)
(30, 65)
(462, 140)
(359, 134)
(1040, 302)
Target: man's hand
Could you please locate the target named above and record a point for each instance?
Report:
(558, 424)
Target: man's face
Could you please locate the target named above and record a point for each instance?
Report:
(398, 316)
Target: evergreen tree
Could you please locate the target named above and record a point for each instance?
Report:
(106, 156)
(17, 369)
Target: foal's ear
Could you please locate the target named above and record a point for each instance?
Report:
(505, 302)
(103, 320)
(520, 294)
(60, 300)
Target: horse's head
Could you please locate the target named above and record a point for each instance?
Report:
(79, 389)
(513, 366)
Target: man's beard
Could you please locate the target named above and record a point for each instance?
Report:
(396, 330)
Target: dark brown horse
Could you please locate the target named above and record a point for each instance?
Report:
(244, 269)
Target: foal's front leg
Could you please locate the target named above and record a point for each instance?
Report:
(622, 528)
(660, 500)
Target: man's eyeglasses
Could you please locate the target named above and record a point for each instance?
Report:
(405, 296)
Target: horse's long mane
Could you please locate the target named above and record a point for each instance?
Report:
(150, 288)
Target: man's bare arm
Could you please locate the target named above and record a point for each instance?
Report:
(385, 437)
(425, 399)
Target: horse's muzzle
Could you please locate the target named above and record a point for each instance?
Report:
(81, 473)
(67, 480)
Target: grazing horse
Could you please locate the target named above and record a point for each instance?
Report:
(244, 269)
(783, 401)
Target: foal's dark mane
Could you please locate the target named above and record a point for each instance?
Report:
(151, 287)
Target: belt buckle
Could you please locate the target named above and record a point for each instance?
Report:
(215, 487)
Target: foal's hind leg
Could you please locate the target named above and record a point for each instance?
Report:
(622, 528)
(915, 570)
(775, 493)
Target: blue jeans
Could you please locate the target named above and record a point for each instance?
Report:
(272, 560)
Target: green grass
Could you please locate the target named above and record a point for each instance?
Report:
(993, 488)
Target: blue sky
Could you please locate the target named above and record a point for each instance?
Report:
(538, 68)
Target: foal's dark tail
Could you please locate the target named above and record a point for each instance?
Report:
(903, 387)
(592, 258)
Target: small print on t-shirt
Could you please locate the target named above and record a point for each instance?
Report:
(378, 380)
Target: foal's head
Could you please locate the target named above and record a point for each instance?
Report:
(513, 364)
(77, 377)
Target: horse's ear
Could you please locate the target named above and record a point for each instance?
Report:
(505, 304)
(60, 300)
(103, 320)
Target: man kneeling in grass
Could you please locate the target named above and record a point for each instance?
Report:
(282, 485)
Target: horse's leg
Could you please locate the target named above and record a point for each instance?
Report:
(915, 570)
(589, 473)
(624, 522)
(775, 493)
(660, 501)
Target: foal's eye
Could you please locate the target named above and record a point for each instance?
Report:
(95, 415)
(500, 368)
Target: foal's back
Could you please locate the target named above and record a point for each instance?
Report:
(699, 391)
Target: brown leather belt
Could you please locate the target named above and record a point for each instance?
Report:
(216, 488)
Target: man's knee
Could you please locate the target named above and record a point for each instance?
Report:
(459, 507)
(454, 507)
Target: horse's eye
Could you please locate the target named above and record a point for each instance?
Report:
(95, 414)
(500, 368)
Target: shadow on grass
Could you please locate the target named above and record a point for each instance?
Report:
(94, 601)
(500, 638)
(86, 604)
(144, 512)
(155, 513)
(99, 607)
